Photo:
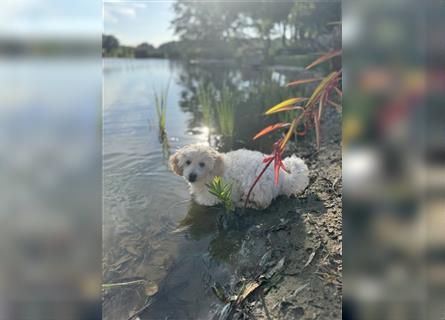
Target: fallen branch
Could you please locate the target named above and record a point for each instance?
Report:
(121, 284)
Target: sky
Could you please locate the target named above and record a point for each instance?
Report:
(46, 18)
(134, 23)
(131, 21)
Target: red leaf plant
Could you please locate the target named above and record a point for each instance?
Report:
(309, 116)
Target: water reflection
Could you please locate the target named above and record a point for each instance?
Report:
(152, 229)
(250, 91)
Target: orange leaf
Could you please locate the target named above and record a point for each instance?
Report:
(270, 129)
(325, 57)
(302, 81)
(283, 104)
(288, 135)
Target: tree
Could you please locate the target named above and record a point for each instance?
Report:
(109, 44)
(144, 50)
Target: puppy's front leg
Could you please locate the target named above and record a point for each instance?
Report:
(203, 197)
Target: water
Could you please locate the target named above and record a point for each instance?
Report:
(50, 186)
(152, 229)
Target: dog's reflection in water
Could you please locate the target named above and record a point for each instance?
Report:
(202, 222)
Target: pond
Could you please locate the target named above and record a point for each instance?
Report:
(152, 229)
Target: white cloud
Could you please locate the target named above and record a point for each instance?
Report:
(114, 11)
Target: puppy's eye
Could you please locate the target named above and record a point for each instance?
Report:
(188, 162)
(202, 164)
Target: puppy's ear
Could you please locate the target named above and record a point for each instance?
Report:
(174, 164)
(218, 168)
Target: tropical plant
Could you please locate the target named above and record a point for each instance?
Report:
(223, 191)
(309, 114)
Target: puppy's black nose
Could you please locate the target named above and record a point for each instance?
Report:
(192, 177)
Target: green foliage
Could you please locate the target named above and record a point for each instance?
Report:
(145, 50)
(206, 96)
(223, 191)
(161, 107)
(214, 27)
(225, 109)
(109, 44)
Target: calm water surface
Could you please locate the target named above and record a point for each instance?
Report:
(152, 229)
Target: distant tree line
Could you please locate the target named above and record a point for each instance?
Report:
(249, 31)
(111, 47)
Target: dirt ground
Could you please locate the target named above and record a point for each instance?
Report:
(297, 262)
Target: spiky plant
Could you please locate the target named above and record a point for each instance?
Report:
(223, 191)
(309, 114)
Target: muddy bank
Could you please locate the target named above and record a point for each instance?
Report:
(280, 263)
(291, 267)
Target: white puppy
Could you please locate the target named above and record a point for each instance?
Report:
(199, 164)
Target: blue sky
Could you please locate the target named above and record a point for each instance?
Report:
(50, 17)
(134, 23)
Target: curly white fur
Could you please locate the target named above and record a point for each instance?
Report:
(199, 164)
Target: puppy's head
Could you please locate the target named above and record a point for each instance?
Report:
(197, 163)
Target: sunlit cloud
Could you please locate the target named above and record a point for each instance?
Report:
(114, 11)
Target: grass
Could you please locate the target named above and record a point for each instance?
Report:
(225, 110)
(206, 94)
(161, 108)
(223, 191)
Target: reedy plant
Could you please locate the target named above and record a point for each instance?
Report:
(206, 97)
(309, 114)
(161, 108)
(225, 108)
(223, 191)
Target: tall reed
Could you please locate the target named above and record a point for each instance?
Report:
(161, 108)
(225, 109)
(206, 99)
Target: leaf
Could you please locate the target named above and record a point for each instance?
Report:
(302, 81)
(322, 86)
(290, 108)
(270, 129)
(325, 57)
(288, 134)
(290, 131)
(309, 260)
(151, 288)
(277, 268)
(284, 104)
(246, 291)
